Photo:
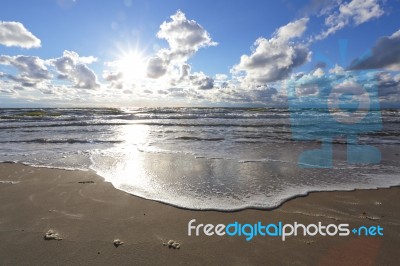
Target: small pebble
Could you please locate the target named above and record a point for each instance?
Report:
(86, 182)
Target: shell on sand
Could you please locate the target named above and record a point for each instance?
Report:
(52, 235)
(173, 244)
(118, 242)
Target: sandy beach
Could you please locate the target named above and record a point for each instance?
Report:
(89, 214)
(200, 133)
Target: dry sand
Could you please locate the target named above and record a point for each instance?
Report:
(89, 216)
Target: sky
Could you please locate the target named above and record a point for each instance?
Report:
(127, 53)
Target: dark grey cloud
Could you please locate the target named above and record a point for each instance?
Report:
(201, 81)
(156, 67)
(388, 85)
(7, 91)
(18, 88)
(163, 92)
(127, 92)
(385, 54)
(260, 95)
(147, 91)
(265, 94)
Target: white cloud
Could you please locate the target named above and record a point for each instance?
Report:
(185, 37)
(112, 76)
(221, 77)
(319, 72)
(86, 59)
(115, 79)
(337, 70)
(349, 86)
(307, 90)
(31, 70)
(36, 74)
(73, 67)
(273, 59)
(319, 7)
(15, 34)
(354, 12)
(292, 30)
(361, 10)
(31, 67)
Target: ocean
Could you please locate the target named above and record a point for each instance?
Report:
(203, 158)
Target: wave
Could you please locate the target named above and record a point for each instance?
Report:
(61, 141)
(199, 139)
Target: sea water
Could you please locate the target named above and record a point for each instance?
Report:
(198, 158)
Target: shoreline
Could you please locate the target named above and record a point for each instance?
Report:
(294, 197)
(89, 213)
(260, 209)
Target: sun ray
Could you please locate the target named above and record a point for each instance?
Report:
(132, 65)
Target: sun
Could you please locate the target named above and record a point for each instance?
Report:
(132, 65)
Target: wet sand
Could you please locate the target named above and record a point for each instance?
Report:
(89, 214)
